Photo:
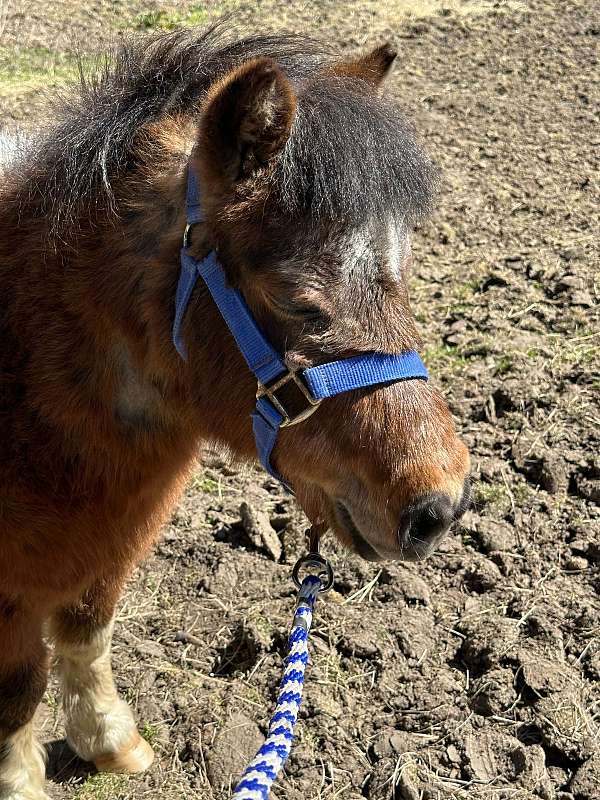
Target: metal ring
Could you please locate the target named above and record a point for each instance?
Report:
(186, 234)
(315, 564)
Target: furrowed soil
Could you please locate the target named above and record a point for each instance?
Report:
(475, 674)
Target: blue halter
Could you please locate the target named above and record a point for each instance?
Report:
(271, 370)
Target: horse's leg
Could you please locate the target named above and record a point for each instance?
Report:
(23, 677)
(100, 726)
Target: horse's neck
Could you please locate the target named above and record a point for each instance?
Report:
(95, 317)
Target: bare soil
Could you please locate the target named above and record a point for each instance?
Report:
(475, 674)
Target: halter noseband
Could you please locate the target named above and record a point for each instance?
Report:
(272, 371)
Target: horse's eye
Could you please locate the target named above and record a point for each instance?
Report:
(306, 311)
(303, 312)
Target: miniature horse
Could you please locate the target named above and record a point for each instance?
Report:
(310, 181)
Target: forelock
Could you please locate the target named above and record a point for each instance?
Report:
(352, 156)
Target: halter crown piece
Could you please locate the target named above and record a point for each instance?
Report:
(272, 371)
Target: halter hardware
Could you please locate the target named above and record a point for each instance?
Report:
(186, 235)
(292, 377)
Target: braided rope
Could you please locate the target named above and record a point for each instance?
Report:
(262, 771)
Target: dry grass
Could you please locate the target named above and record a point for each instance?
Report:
(429, 8)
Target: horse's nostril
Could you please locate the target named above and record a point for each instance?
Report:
(431, 517)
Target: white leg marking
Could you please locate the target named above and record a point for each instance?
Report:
(23, 768)
(100, 726)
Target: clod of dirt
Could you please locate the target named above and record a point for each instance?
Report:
(231, 750)
(413, 587)
(407, 787)
(586, 781)
(547, 470)
(488, 640)
(150, 649)
(494, 692)
(260, 531)
(391, 741)
(223, 580)
(382, 747)
(493, 755)
(403, 742)
(415, 635)
(482, 576)
(592, 666)
(542, 675)
(361, 643)
(494, 536)
(576, 563)
(379, 782)
(565, 724)
(548, 635)
(588, 489)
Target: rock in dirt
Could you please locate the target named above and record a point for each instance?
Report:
(231, 751)
(586, 781)
(260, 531)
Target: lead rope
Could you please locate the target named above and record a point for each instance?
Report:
(262, 771)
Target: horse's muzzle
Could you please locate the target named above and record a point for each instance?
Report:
(421, 528)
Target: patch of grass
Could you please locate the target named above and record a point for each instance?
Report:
(103, 786)
(487, 493)
(504, 365)
(209, 486)
(170, 19)
(149, 732)
(27, 68)
(205, 484)
(466, 290)
(447, 354)
(429, 8)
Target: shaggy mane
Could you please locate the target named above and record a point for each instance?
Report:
(350, 155)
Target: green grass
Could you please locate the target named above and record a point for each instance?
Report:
(103, 786)
(168, 20)
(27, 68)
(149, 732)
(504, 365)
(487, 493)
(445, 355)
(204, 484)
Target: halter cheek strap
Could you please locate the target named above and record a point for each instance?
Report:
(272, 372)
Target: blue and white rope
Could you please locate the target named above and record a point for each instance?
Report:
(262, 771)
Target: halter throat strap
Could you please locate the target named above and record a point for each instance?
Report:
(272, 372)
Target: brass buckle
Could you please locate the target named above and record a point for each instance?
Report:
(269, 391)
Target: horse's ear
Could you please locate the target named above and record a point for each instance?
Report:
(372, 68)
(246, 120)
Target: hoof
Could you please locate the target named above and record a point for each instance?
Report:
(136, 757)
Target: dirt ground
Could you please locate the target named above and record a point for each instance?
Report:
(477, 673)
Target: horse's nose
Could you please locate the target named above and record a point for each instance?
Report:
(423, 526)
(431, 517)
